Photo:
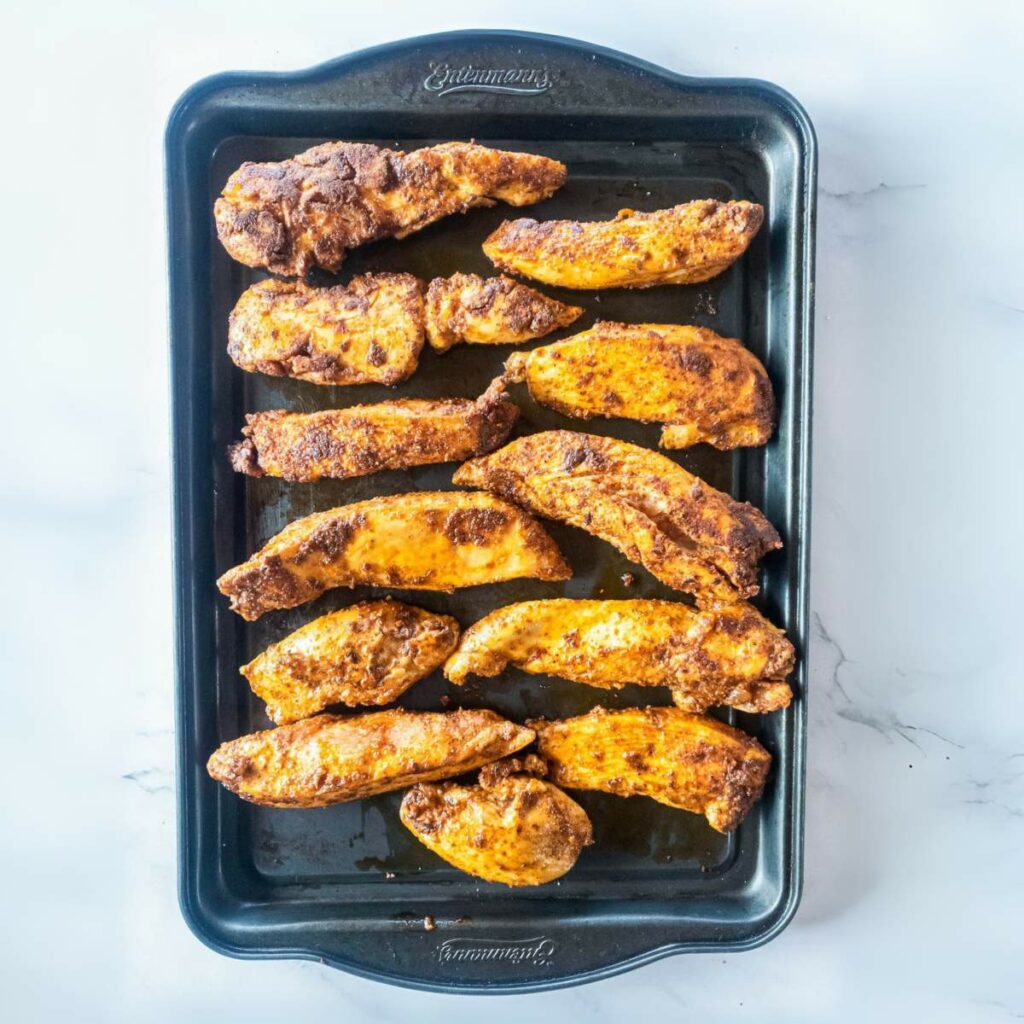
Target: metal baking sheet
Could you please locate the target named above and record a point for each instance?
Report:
(348, 885)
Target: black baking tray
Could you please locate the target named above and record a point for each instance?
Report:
(347, 885)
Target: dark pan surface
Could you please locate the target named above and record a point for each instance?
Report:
(348, 884)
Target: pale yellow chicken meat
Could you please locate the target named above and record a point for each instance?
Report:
(490, 311)
(364, 439)
(510, 828)
(728, 656)
(369, 331)
(702, 386)
(429, 540)
(687, 534)
(687, 761)
(367, 654)
(685, 244)
(292, 215)
(330, 759)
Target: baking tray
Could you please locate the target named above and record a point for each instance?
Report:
(348, 885)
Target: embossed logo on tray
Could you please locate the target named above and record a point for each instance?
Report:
(537, 952)
(444, 78)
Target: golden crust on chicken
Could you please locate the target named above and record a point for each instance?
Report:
(429, 540)
(687, 534)
(490, 311)
(685, 244)
(515, 829)
(330, 759)
(367, 654)
(729, 656)
(364, 439)
(703, 386)
(292, 215)
(687, 761)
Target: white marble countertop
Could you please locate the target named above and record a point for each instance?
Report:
(915, 813)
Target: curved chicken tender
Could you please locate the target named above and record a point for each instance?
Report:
(330, 759)
(364, 439)
(685, 244)
(368, 653)
(731, 656)
(687, 761)
(369, 331)
(292, 215)
(490, 311)
(705, 387)
(429, 540)
(517, 830)
(687, 534)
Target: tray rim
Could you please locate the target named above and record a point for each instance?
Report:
(188, 898)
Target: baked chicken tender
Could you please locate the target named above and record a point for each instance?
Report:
(292, 215)
(330, 759)
(685, 244)
(703, 386)
(369, 653)
(428, 540)
(490, 311)
(364, 439)
(687, 761)
(511, 828)
(369, 331)
(729, 656)
(683, 531)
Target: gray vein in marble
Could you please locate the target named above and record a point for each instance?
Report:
(147, 779)
(884, 722)
(856, 196)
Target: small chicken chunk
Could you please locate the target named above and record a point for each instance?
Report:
(490, 311)
(511, 828)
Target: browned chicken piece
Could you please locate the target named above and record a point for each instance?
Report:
(687, 534)
(369, 653)
(732, 656)
(429, 540)
(330, 759)
(687, 761)
(703, 386)
(293, 215)
(511, 828)
(490, 311)
(682, 245)
(364, 439)
(369, 331)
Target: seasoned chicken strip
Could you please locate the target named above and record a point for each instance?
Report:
(687, 761)
(682, 245)
(430, 540)
(330, 759)
(687, 534)
(511, 828)
(364, 439)
(490, 311)
(369, 331)
(369, 653)
(308, 211)
(732, 655)
(705, 387)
